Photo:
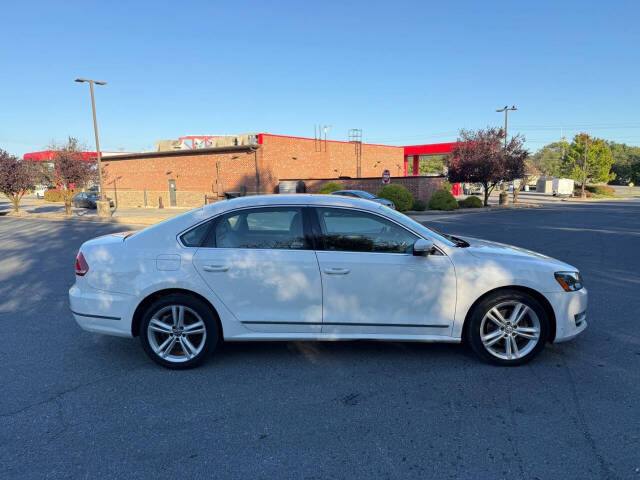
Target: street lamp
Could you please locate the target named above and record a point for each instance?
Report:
(95, 129)
(506, 118)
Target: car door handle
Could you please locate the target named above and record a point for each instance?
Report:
(336, 271)
(215, 268)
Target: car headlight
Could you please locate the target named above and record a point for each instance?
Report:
(569, 281)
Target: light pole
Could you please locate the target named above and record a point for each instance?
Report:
(506, 120)
(95, 129)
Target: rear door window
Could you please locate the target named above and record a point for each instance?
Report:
(266, 228)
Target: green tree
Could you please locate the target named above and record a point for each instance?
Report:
(548, 160)
(588, 160)
(429, 165)
(626, 163)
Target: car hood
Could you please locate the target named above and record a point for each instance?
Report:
(486, 249)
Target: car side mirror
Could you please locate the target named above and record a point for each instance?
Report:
(423, 247)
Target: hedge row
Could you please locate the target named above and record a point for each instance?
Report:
(604, 190)
(54, 195)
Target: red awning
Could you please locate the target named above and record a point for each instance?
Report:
(430, 149)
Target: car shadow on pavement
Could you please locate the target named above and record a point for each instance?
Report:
(47, 209)
(352, 351)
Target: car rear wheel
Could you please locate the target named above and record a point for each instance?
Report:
(179, 331)
(508, 328)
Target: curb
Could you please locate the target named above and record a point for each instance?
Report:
(458, 211)
(590, 200)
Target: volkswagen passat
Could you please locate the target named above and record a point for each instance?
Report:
(319, 267)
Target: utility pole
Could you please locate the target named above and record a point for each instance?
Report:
(101, 211)
(506, 120)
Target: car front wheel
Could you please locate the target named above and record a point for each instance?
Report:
(508, 328)
(179, 331)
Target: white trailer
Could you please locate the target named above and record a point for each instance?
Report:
(562, 186)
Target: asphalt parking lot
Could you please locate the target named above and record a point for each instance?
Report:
(75, 404)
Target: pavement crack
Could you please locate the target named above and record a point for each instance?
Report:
(586, 432)
(59, 395)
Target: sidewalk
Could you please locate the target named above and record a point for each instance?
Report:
(30, 207)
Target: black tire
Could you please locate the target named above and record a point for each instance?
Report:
(534, 319)
(178, 357)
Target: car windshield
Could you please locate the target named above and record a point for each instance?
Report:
(416, 225)
(363, 194)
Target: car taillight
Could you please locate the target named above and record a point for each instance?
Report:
(82, 267)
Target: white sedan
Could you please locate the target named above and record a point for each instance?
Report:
(319, 267)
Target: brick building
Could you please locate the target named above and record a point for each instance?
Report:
(186, 177)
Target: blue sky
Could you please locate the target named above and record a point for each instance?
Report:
(404, 72)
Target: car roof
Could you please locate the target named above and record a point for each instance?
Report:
(293, 199)
(168, 228)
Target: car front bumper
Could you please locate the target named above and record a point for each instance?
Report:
(570, 309)
(101, 312)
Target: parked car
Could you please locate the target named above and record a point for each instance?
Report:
(87, 200)
(39, 192)
(319, 267)
(366, 196)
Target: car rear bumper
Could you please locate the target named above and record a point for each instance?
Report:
(101, 312)
(571, 313)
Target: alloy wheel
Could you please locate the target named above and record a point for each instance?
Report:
(510, 330)
(176, 333)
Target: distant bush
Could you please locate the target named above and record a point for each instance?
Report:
(399, 195)
(419, 206)
(53, 195)
(442, 200)
(604, 190)
(470, 202)
(447, 186)
(331, 187)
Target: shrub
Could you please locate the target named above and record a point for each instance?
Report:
(442, 200)
(603, 190)
(470, 202)
(399, 195)
(419, 206)
(447, 186)
(53, 195)
(576, 192)
(331, 187)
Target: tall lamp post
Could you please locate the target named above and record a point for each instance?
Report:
(506, 120)
(101, 211)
